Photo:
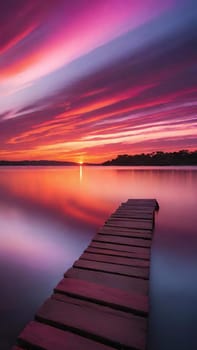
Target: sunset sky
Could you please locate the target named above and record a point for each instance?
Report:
(86, 80)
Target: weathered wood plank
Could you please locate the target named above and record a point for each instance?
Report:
(123, 248)
(124, 229)
(146, 225)
(42, 336)
(126, 283)
(137, 201)
(114, 298)
(129, 217)
(106, 229)
(136, 242)
(131, 220)
(140, 208)
(115, 260)
(125, 233)
(132, 215)
(116, 253)
(124, 208)
(114, 331)
(142, 200)
(134, 220)
(90, 304)
(138, 272)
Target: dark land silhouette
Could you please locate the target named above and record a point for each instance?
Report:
(182, 157)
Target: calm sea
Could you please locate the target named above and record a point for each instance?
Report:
(48, 215)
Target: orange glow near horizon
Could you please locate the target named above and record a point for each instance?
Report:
(114, 92)
(106, 135)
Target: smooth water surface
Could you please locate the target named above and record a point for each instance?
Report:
(48, 215)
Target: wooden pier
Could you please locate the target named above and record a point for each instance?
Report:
(102, 301)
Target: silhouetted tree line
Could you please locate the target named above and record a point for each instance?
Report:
(182, 157)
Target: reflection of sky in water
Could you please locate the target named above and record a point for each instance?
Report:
(48, 216)
(32, 240)
(173, 273)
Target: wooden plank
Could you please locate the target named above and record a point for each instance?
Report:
(142, 200)
(132, 215)
(131, 208)
(141, 204)
(90, 304)
(106, 229)
(130, 224)
(136, 217)
(136, 242)
(110, 252)
(129, 284)
(124, 229)
(42, 336)
(122, 233)
(146, 225)
(140, 209)
(114, 331)
(138, 272)
(137, 208)
(150, 202)
(115, 260)
(123, 248)
(114, 298)
(129, 219)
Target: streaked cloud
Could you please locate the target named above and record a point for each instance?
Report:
(96, 80)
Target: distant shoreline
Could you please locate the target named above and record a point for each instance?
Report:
(97, 165)
(93, 165)
(35, 163)
(180, 158)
